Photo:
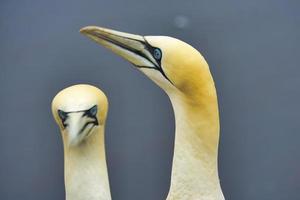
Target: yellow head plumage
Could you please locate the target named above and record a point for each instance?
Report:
(169, 62)
(182, 64)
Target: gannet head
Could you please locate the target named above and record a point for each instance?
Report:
(171, 63)
(79, 111)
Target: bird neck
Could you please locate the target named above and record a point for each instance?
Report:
(86, 176)
(195, 170)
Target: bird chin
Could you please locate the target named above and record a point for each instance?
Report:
(75, 142)
(158, 79)
(78, 139)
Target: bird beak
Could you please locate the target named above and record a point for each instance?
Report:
(133, 48)
(78, 127)
(74, 125)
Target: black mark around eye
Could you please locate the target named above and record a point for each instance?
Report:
(157, 54)
(92, 112)
(63, 116)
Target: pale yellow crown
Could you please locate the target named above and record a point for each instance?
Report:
(79, 110)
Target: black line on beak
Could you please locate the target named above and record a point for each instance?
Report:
(130, 49)
(95, 123)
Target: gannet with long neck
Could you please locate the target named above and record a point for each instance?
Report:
(182, 72)
(80, 112)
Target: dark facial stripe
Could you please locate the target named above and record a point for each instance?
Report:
(157, 67)
(89, 131)
(92, 114)
(95, 123)
(63, 117)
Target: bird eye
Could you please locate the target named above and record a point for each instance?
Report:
(157, 54)
(62, 115)
(92, 112)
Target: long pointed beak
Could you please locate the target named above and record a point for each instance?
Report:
(74, 124)
(133, 48)
(73, 129)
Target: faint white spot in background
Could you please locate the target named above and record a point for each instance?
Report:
(181, 21)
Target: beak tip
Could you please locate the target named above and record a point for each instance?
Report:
(84, 30)
(88, 29)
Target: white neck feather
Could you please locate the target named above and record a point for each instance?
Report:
(86, 176)
(195, 169)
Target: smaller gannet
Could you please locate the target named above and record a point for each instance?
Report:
(80, 112)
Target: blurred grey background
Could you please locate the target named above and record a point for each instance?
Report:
(253, 49)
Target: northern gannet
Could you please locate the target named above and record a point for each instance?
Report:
(80, 112)
(182, 72)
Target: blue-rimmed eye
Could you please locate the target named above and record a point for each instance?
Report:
(157, 54)
(92, 112)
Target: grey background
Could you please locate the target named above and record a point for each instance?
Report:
(252, 47)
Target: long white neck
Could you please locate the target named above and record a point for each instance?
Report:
(195, 169)
(86, 176)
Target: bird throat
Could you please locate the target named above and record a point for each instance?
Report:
(195, 170)
(86, 176)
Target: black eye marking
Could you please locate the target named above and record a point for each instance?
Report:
(63, 117)
(92, 112)
(157, 54)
